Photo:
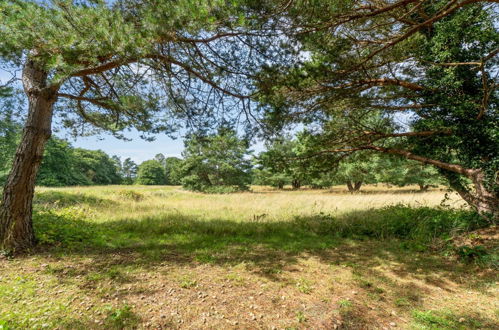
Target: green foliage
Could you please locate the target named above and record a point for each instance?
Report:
(62, 164)
(4, 325)
(173, 166)
(9, 135)
(63, 227)
(300, 161)
(279, 166)
(419, 225)
(59, 166)
(65, 38)
(97, 166)
(416, 91)
(57, 199)
(129, 171)
(151, 172)
(459, 92)
(187, 282)
(216, 163)
(161, 159)
(121, 318)
(434, 320)
(479, 255)
(363, 167)
(406, 172)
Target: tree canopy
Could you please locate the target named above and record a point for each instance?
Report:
(151, 172)
(416, 79)
(216, 162)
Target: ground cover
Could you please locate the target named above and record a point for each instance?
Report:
(160, 257)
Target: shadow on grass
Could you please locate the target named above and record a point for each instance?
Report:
(362, 240)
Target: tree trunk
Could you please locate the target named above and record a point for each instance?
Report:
(424, 187)
(354, 186)
(16, 227)
(296, 184)
(485, 202)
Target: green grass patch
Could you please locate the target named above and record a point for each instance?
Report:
(73, 228)
(448, 320)
(121, 318)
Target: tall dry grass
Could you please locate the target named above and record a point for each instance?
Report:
(262, 203)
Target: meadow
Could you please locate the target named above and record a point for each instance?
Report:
(126, 257)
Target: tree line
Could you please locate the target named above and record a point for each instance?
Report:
(220, 162)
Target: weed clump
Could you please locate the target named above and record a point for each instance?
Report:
(448, 320)
(121, 318)
(130, 195)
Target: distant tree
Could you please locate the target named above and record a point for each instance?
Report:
(151, 172)
(358, 169)
(161, 159)
(216, 163)
(264, 176)
(58, 166)
(323, 169)
(119, 166)
(322, 180)
(97, 166)
(129, 171)
(278, 165)
(406, 172)
(433, 63)
(173, 166)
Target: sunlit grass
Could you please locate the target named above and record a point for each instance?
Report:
(144, 257)
(262, 204)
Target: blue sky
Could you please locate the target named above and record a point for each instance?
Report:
(137, 149)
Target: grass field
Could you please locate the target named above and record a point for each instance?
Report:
(159, 257)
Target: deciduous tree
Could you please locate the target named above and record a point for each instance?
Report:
(173, 166)
(151, 172)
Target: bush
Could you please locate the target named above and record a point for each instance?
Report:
(58, 199)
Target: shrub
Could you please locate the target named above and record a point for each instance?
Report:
(224, 189)
(151, 172)
(65, 227)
